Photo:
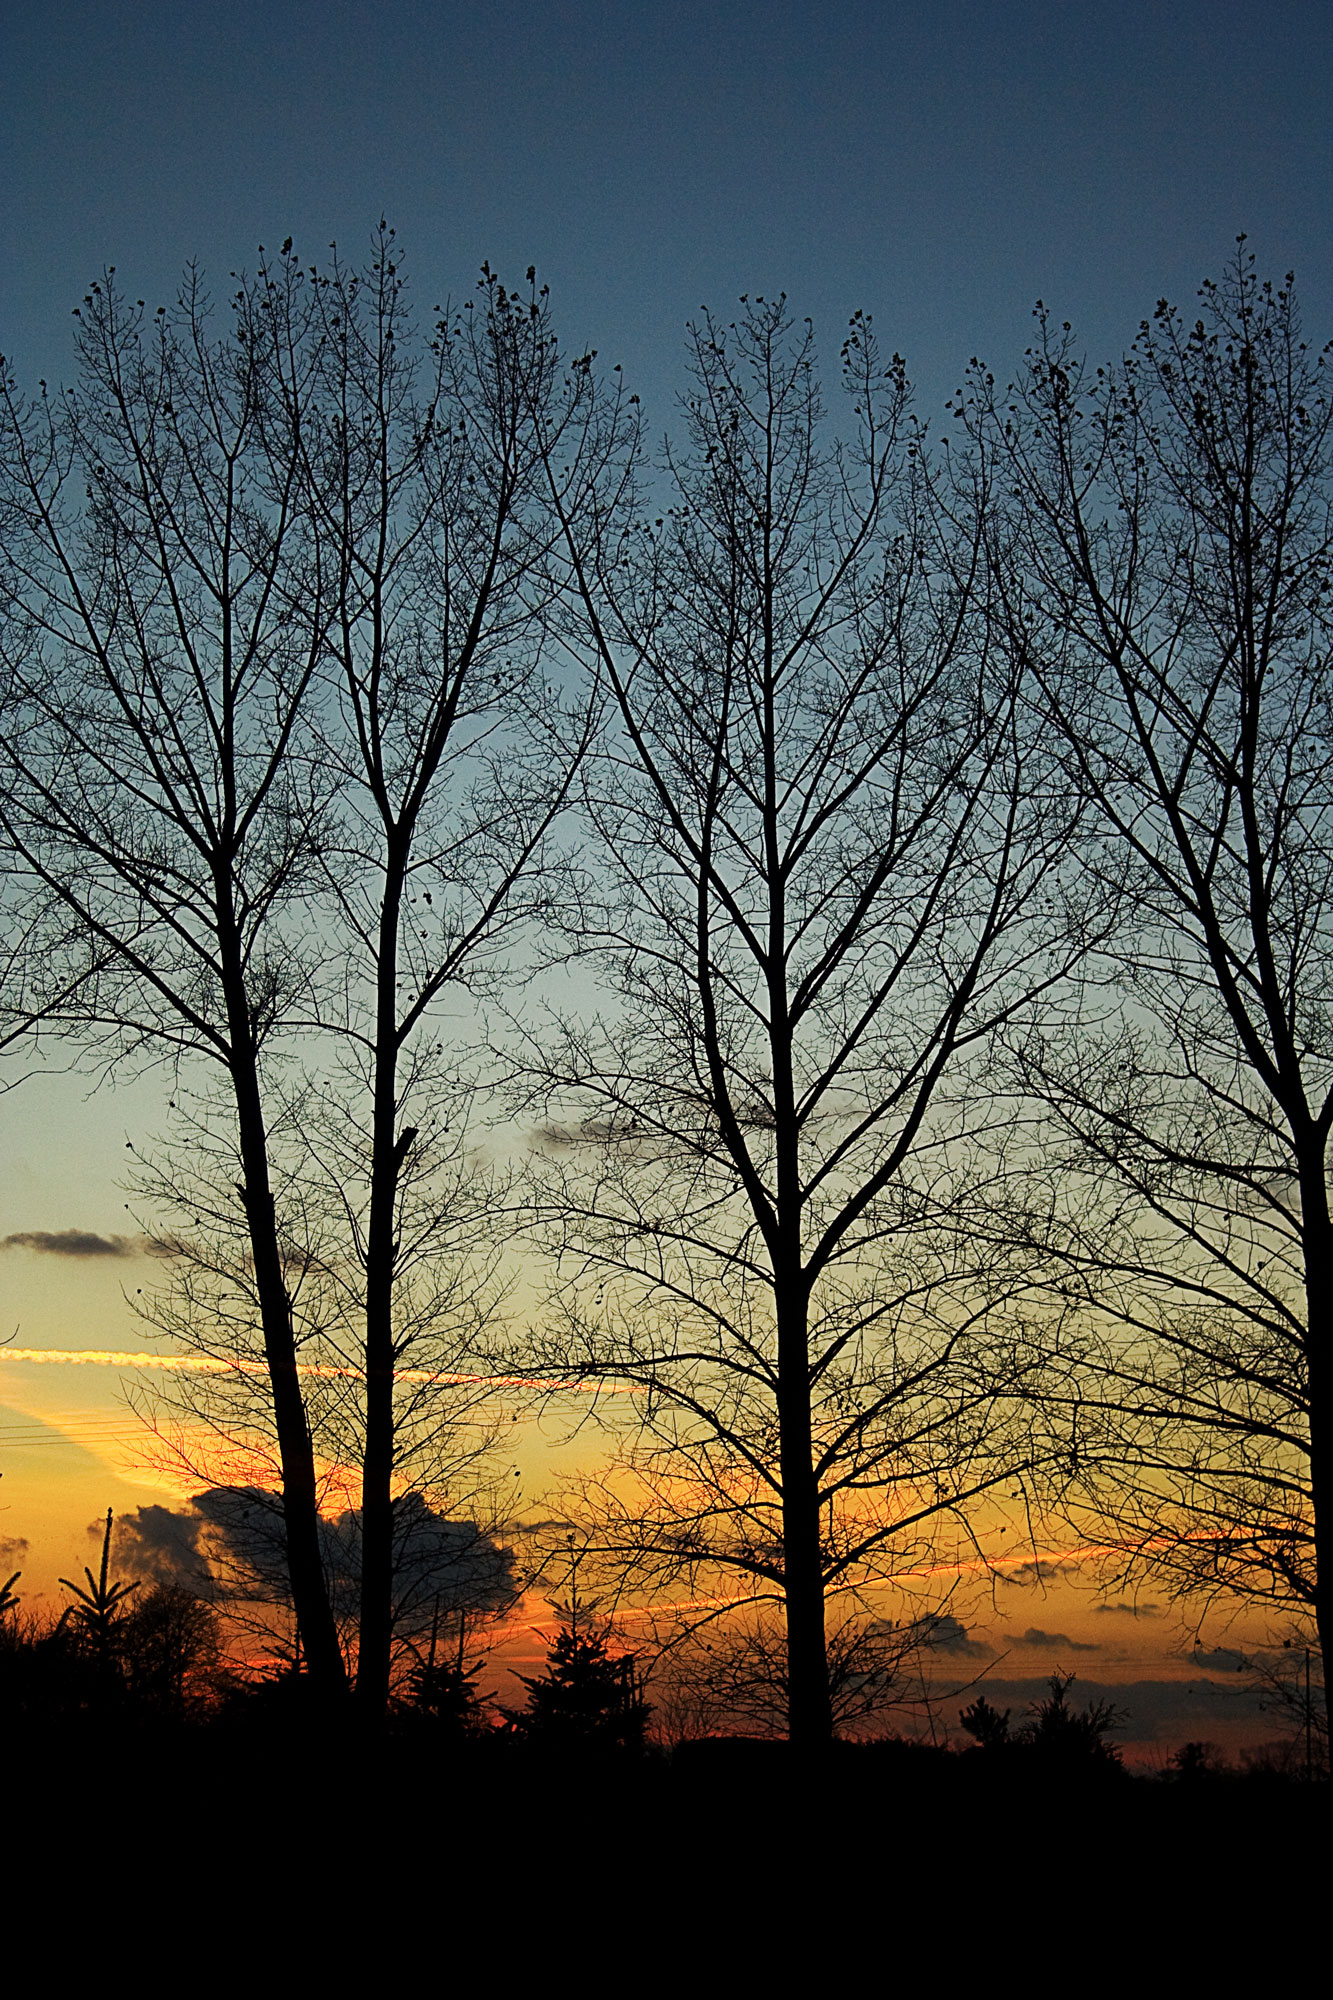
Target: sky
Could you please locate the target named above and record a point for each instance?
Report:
(941, 167)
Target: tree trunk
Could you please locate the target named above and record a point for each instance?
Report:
(316, 1629)
(376, 1627)
(809, 1711)
(1317, 1238)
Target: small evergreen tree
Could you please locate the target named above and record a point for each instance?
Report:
(96, 1614)
(1072, 1736)
(587, 1696)
(447, 1692)
(1053, 1731)
(988, 1726)
(1194, 1761)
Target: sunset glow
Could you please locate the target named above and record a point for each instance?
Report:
(666, 924)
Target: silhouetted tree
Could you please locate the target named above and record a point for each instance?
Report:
(989, 1726)
(1194, 1761)
(731, 1673)
(448, 756)
(832, 854)
(162, 613)
(588, 1696)
(1067, 1736)
(1162, 549)
(455, 756)
(97, 1609)
(446, 1690)
(96, 1616)
(167, 1647)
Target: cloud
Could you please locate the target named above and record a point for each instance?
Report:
(1225, 1657)
(1132, 1607)
(625, 1136)
(161, 1545)
(441, 1566)
(72, 1243)
(231, 1541)
(13, 1548)
(1029, 1575)
(943, 1633)
(247, 1541)
(1034, 1636)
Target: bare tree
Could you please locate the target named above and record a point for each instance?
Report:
(450, 755)
(831, 856)
(1163, 564)
(455, 753)
(163, 605)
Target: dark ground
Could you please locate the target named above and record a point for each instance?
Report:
(249, 1857)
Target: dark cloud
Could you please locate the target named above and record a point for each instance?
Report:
(231, 1542)
(1028, 1575)
(555, 1139)
(1131, 1607)
(441, 1566)
(72, 1243)
(13, 1549)
(627, 1136)
(246, 1542)
(1225, 1658)
(452, 1564)
(161, 1545)
(1034, 1636)
(945, 1634)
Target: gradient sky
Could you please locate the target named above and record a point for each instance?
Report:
(941, 166)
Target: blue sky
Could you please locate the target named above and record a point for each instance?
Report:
(940, 165)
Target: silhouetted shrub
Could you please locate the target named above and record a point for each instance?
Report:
(167, 1648)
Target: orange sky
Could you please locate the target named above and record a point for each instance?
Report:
(70, 1446)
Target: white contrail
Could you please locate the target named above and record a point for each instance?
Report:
(208, 1364)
